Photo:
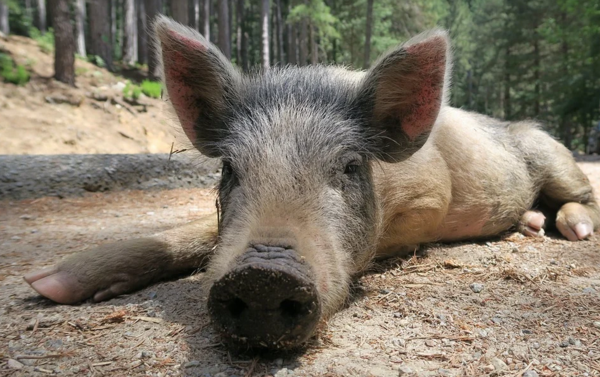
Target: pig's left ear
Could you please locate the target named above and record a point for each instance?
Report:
(404, 91)
(200, 83)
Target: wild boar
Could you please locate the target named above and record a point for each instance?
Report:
(324, 170)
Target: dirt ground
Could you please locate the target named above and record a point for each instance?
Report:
(48, 117)
(508, 306)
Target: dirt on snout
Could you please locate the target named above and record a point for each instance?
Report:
(510, 306)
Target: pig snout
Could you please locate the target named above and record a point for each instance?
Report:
(267, 300)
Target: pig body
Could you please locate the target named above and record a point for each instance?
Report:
(325, 170)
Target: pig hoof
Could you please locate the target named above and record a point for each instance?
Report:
(65, 287)
(58, 286)
(579, 231)
(574, 222)
(268, 300)
(532, 224)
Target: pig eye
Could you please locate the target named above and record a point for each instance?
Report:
(352, 167)
(227, 170)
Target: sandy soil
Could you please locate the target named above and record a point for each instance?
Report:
(48, 117)
(538, 308)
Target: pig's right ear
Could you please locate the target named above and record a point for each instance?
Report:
(403, 93)
(199, 81)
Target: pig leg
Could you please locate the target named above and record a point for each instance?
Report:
(116, 268)
(564, 187)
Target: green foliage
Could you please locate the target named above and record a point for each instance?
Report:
(131, 91)
(149, 88)
(44, 40)
(152, 88)
(19, 20)
(97, 60)
(16, 74)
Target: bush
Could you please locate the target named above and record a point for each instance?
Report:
(17, 75)
(132, 91)
(152, 88)
(44, 40)
(97, 60)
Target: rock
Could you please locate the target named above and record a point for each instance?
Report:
(221, 374)
(498, 364)
(497, 320)
(191, 364)
(279, 362)
(284, 372)
(564, 344)
(589, 290)
(14, 364)
(530, 373)
(596, 324)
(405, 370)
(476, 287)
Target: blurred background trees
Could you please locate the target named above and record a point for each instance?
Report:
(514, 59)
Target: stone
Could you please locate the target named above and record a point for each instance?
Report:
(498, 364)
(14, 364)
(530, 373)
(476, 287)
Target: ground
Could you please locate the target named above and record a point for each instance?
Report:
(48, 117)
(503, 307)
(509, 306)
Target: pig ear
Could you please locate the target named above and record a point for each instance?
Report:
(199, 81)
(405, 90)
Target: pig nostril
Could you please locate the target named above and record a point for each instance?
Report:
(291, 308)
(236, 307)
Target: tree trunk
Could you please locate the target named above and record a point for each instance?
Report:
(264, 21)
(206, 19)
(80, 25)
(179, 11)
(536, 77)
(369, 32)
(303, 42)
(314, 47)
(40, 21)
(113, 25)
(239, 32)
(28, 13)
(130, 38)
(214, 26)
(64, 42)
(153, 7)
(100, 35)
(195, 14)
(507, 104)
(565, 125)
(142, 32)
(4, 18)
(279, 25)
(224, 41)
(292, 53)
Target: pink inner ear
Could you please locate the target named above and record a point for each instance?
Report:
(430, 59)
(177, 75)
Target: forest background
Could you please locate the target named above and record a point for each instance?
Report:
(513, 59)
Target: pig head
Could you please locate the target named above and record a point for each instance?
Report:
(299, 214)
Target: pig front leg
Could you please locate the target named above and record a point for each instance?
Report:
(121, 267)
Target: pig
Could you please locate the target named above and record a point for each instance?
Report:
(325, 170)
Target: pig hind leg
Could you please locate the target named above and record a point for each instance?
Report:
(564, 189)
(122, 267)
